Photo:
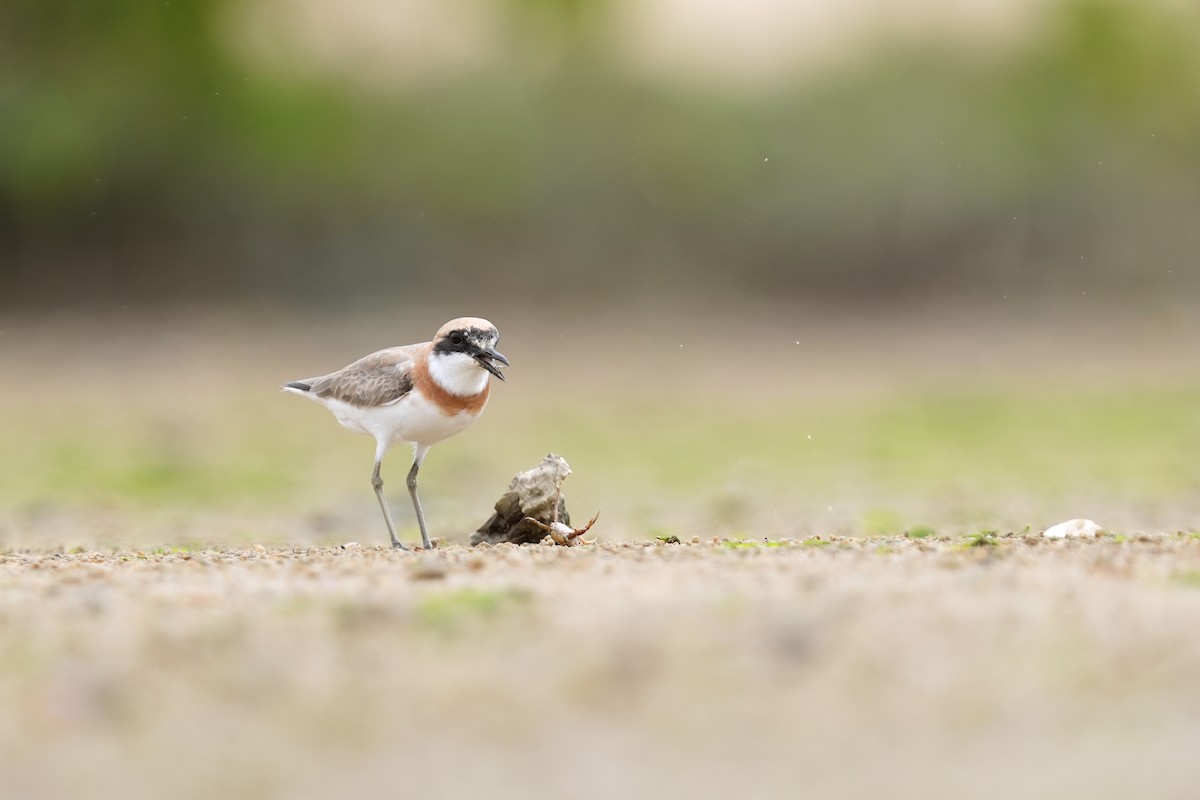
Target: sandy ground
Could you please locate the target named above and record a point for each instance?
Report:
(930, 668)
(177, 620)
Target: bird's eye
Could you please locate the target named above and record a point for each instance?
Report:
(456, 338)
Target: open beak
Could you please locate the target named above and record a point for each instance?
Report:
(488, 358)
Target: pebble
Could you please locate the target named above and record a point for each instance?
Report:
(1073, 528)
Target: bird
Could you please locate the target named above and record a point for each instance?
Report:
(420, 394)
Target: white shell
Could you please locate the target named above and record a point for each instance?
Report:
(1073, 528)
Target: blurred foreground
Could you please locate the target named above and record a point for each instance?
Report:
(922, 669)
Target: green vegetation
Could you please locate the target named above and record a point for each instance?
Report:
(981, 539)
(175, 550)
(983, 445)
(1124, 439)
(742, 544)
(751, 544)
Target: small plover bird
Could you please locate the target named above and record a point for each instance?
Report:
(418, 393)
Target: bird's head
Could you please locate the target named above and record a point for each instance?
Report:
(471, 342)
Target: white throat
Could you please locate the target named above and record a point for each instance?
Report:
(457, 373)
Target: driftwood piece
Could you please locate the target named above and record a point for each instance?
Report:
(532, 493)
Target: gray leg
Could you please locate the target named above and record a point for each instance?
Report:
(377, 482)
(412, 490)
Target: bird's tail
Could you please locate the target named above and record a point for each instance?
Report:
(301, 387)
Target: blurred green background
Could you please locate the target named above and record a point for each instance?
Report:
(304, 152)
(763, 268)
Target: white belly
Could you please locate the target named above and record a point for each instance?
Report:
(411, 419)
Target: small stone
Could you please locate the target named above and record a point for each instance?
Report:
(352, 546)
(1073, 528)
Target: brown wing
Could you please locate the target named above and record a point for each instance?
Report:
(375, 380)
